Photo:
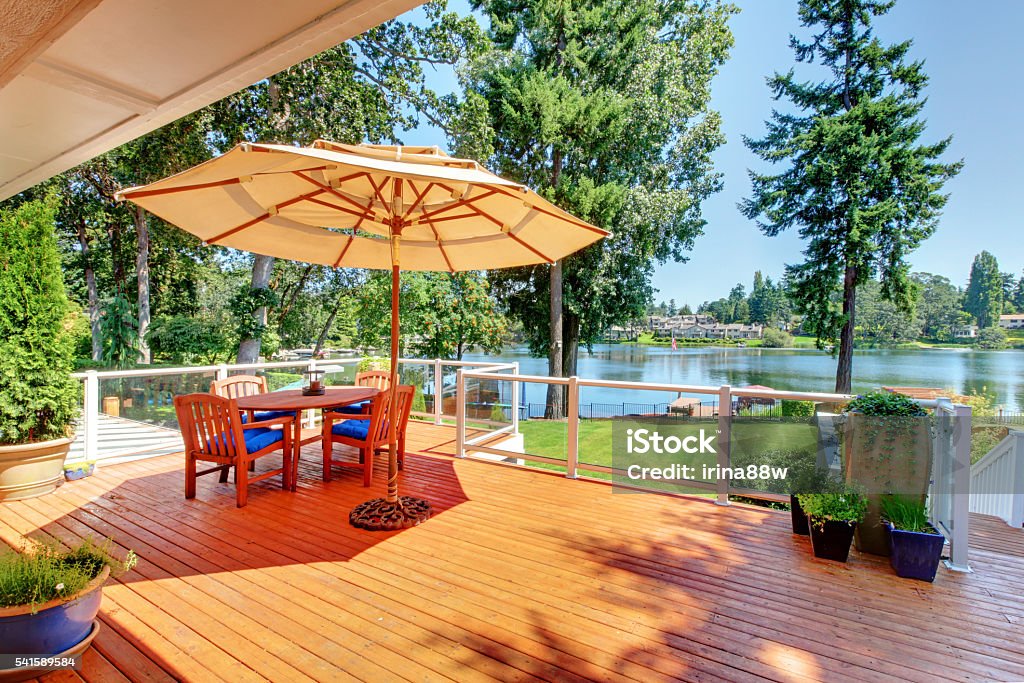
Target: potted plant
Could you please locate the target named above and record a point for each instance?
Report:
(805, 476)
(79, 470)
(888, 450)
(914, 544)
(49, 597)
(832, 518)
(39, 398)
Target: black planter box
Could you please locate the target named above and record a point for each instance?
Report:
(831, 540)
(914, 554)
(799, 517)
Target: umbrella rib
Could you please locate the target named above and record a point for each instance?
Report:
(181, 188)
(460, 203)
(344, 250)
(343, 209)
(334, 193)
(578, 224)
(440, 246)
(377, 190)
(419, 198)
(254, 221)
(549, 260)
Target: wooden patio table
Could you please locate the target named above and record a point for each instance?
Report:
(295, 400)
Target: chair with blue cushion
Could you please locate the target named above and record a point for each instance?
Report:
(378, 379)
(367, 433)
(247, 385)
(213, 431)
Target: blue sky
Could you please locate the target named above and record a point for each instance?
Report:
(972, 53)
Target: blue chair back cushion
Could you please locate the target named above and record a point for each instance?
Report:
(354, 409)
(255, 439)
(262, 415)
(353, 429)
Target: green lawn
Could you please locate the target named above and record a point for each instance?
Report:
(750, 439)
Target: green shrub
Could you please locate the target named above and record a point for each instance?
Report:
(797, 408)
(885, 404)
(845, 505)
(38, 397)
(120, 333)
(776, 339)
(368, 363)
(184, 339)
(33, 578)
(993, 338)
(905, 513)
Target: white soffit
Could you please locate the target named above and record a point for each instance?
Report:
(80, 77)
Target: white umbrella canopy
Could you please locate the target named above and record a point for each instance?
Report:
(337, 205)
(367, 206)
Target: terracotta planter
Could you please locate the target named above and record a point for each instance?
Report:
(33, 469)
(883, 461)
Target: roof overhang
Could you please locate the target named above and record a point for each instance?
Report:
(80, 77)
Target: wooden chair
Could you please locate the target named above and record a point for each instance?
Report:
(378, 379)
(247, 385)
(368, 432)
(213, 431)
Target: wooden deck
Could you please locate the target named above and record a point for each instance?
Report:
(521, 575)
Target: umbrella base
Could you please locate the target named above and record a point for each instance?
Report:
(380, 515)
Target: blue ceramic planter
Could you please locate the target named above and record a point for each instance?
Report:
(914, 554)
(57, 626)
(79, 471)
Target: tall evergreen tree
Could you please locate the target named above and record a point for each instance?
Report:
(604, 109)
(984, 298)
(861, 188)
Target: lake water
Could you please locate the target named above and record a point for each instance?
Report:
(1000, 372)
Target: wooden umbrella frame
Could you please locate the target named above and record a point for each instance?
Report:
(393, 511)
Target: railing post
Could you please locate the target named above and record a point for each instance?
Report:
(724, 442)
(460, 415)
(515, 399)
(1017, 462)
(572, 455)
(438, 391)
(91, 414)
(959, 540)
(222, 371)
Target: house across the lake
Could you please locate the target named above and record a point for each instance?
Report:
(1013, 321)
(965, 331)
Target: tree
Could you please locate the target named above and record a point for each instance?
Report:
(184, 339)
(882, 322)
(370, 88)
(460, 314)
(1009, 287)
(984, 299)
(861, 188)
(940, 306)
(672, 307)
(1018, 294)
(992, 338)
(38, 397)
(603, 109)
(776, 339)
(686, 310)
(119, 331)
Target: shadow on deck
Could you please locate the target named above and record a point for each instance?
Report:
(520, 575)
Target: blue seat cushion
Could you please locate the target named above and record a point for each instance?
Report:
(354, 409)
(353, 429)
(257, 439)
(262, 415)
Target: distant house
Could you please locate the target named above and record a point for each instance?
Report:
(965, 332)
(666, 326)
(1013, 321)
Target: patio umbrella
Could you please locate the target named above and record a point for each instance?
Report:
(367, 206)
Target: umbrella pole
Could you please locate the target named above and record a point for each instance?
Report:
(392, 512)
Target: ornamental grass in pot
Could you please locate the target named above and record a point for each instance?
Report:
(38, 397)
(833, 517)
(914, 544)
(888, 450)
(49, 596)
